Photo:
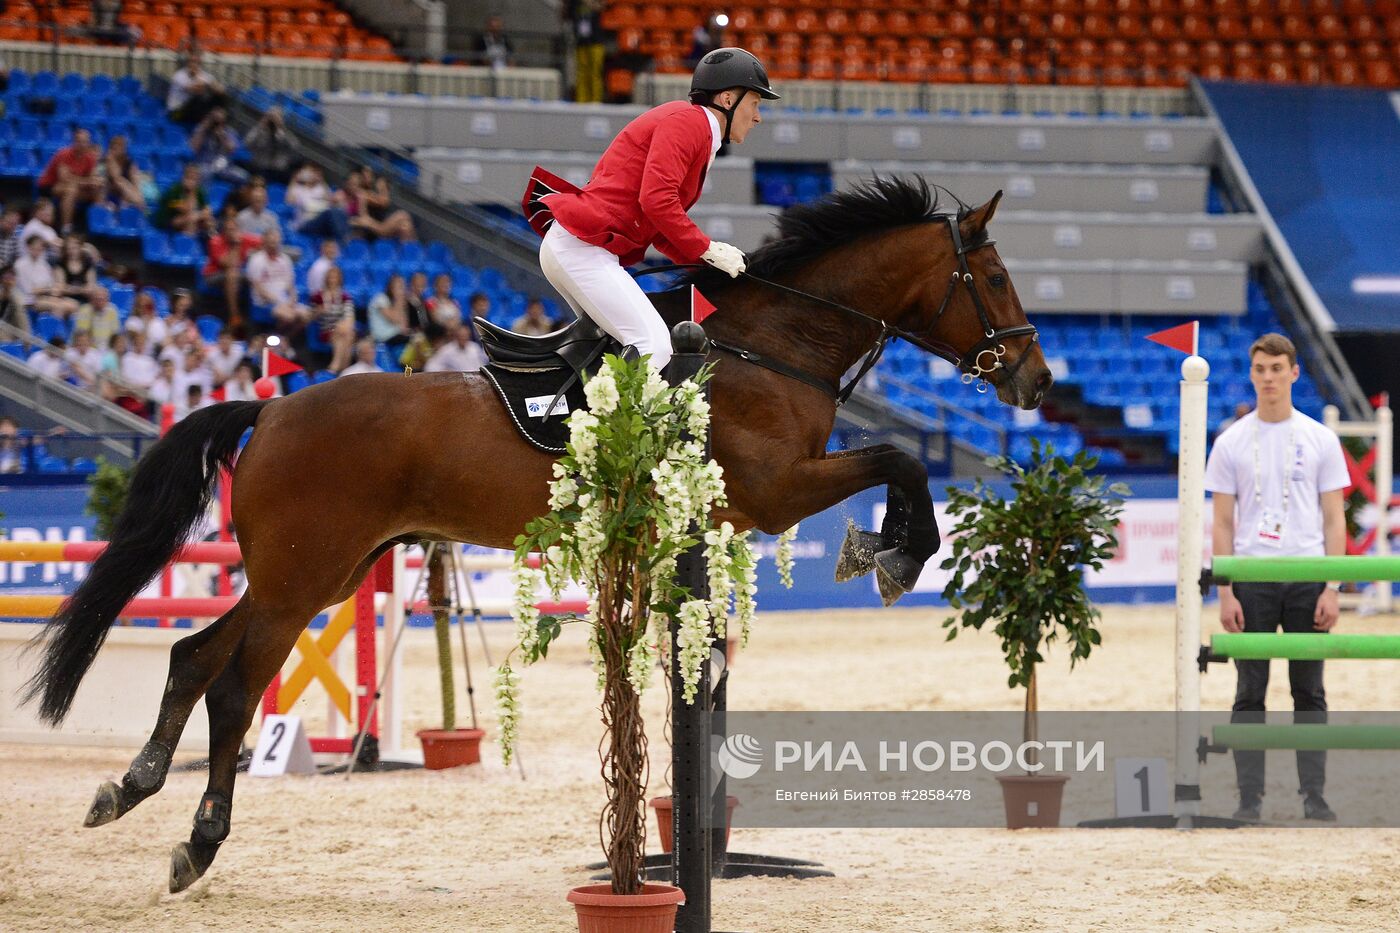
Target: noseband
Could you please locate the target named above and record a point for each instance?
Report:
(984, 358)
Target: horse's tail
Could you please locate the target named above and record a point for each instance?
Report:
(170, 489)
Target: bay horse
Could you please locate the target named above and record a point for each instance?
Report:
(336, 474)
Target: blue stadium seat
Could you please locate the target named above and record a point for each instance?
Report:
(130, 87)
(43, 84)
(324, 375)
(385, 360)
(356, 251)
(19, 81)
(155, 245)
(47, 326)
(82, 465)
(384, 251)
(101, 219)
(123, 296)
(130, 222)
(121, 108)
(185, 251)
(439, 251)
(209, 327)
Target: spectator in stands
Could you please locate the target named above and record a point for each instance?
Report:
(418, 301)
(84, 361)
(76, 269)
(71, 176)
(181, 307)
(117, 347)
(492, 48)
(11, 451)
(229, 252)
(223, 357)
(184, 206)
(195, 371)
(1241, 409)
(144, 320)
(371, 210)
(272, 149)
(443, 309)
(123, 177)
(389, 320)
(480, 306)
(460, 354)
(10, 245)
(272, 285)
(38, 287)
(585, 19)
(106, 25)
(707, 36)
(365, 354)
(139, 368)
(534, 321)
(334, 310)
(239, 387)
(48, 360)
(12, 310)
(256, 219)
(193, 92)
(316, 275)
(167, 384)
(320, 212)
(41, 224)
(195, 398)
(98, 316)
(214, 143)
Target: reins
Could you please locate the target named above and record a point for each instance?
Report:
(969, 363)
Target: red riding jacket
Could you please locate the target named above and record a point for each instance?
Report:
(640, 191)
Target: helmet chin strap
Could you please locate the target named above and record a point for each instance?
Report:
(728, 112)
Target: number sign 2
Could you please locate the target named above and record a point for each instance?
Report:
(283, 748)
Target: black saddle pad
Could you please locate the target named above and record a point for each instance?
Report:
(528, 393)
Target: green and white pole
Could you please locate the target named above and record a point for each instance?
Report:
(1191, 498)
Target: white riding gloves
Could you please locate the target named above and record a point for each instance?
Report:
(727, 259)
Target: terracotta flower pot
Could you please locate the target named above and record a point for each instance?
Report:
(601, 911)
(1032, 800)
(662, 806)
(450, 748)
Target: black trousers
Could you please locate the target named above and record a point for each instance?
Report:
(1267, 608)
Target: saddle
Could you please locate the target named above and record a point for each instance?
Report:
(540, 379)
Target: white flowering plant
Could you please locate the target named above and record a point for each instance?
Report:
(633, 491)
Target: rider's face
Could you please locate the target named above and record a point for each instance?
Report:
(745, 118)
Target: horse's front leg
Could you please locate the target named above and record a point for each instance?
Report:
(909, 535)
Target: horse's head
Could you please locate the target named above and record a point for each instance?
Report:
(967, 310)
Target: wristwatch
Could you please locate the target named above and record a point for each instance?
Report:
(1335, 587)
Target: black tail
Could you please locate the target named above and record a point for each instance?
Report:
(170, 490)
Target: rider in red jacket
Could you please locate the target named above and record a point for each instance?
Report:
(638, 196)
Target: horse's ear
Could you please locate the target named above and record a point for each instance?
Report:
(978, 218)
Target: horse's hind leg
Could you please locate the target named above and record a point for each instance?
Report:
(194, 663)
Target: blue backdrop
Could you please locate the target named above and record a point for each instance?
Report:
(1326, 162)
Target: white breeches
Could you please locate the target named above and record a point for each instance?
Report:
(595, 285)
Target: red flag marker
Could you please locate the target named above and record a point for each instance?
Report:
(277, 365)
(1185, 338)
(700, 307)
(219, 395)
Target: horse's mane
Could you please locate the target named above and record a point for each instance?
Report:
(808, 230)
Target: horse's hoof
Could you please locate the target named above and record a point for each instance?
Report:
(895, 574)
(106, 806)
(857, 557)
(186, 867)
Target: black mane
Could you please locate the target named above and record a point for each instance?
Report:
(808, 230)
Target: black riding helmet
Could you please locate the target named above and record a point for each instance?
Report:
(723, 69)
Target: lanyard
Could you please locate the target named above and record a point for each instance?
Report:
(1258, 479)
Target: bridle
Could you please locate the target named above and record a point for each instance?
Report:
(984, 358)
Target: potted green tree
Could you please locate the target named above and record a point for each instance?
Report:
(1019, 565)
(448, 747)
(627, 499)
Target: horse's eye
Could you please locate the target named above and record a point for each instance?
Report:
(998, 280)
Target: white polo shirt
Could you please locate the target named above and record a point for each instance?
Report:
(1297, 453)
